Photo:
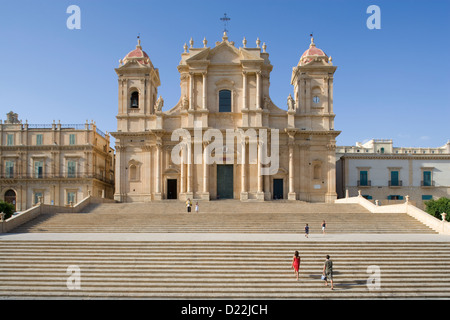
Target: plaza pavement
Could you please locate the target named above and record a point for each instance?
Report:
(351, 237)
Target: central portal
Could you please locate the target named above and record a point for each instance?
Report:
(224, 181)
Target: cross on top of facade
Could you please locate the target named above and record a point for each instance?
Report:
(225, 20)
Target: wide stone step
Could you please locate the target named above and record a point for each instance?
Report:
(217, 270)
(105, 221)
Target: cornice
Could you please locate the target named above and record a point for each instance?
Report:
(48, 148)
(398, 156)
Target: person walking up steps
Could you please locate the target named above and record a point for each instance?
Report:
(328, 271)
(296, 263)
(306, 231)
(324, 225)
(188, 205)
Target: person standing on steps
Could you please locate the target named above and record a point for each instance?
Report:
(324, 225)
(296, 263)
(328, 271)
(188, 205)
(196, 207)
(306, 231)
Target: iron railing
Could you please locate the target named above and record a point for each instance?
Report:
(395, 183)
(427, 183)
(43, 176)
(366, 183)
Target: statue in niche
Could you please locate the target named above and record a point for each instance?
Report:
(290, 103)
(159, 104)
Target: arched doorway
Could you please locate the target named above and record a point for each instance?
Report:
(10, 197)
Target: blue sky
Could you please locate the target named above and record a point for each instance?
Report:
(391, 83)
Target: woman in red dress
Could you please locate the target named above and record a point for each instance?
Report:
(296, 263)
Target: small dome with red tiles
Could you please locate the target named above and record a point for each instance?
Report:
(138, 55)
(313, 53)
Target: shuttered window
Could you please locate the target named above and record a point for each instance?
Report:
(427, 178)
(363, 178)
(9, 169)
(39, 139)
(71, 169)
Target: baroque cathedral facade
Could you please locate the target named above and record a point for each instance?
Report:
(226, 89)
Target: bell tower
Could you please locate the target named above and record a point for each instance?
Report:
(312, 79)
(138, 82)
(138, 90)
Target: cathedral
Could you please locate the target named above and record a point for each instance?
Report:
(225, 90)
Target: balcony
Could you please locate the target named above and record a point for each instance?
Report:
(64, 176)
(427, 183)
(395, 183)
(364, 183)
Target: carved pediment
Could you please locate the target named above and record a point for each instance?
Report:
(223, 53)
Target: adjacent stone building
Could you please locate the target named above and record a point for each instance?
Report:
(55, 163)
(386, 173)
(225, 88)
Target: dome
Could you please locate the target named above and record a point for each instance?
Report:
(138, 55)
(312, 53)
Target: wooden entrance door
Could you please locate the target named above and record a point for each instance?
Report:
(225, 181)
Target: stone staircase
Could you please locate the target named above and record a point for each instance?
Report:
(224, 216)
(247, 254)
(222, 270)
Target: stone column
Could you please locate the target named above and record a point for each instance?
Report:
(260, 193)
(189, 192)
(189, 169)
(146, 172)
(330, 94)
(244, 90)
(158, 195)
(303, 174)
(191, 90)
(291, 194)
(331, 195)
(204, 90)
(53, 165)
(244, 194)
(205, 195)
(258, 90)
(291, 145)
(120, 168)
(182, 172)
(259, 166)
(326, 91)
